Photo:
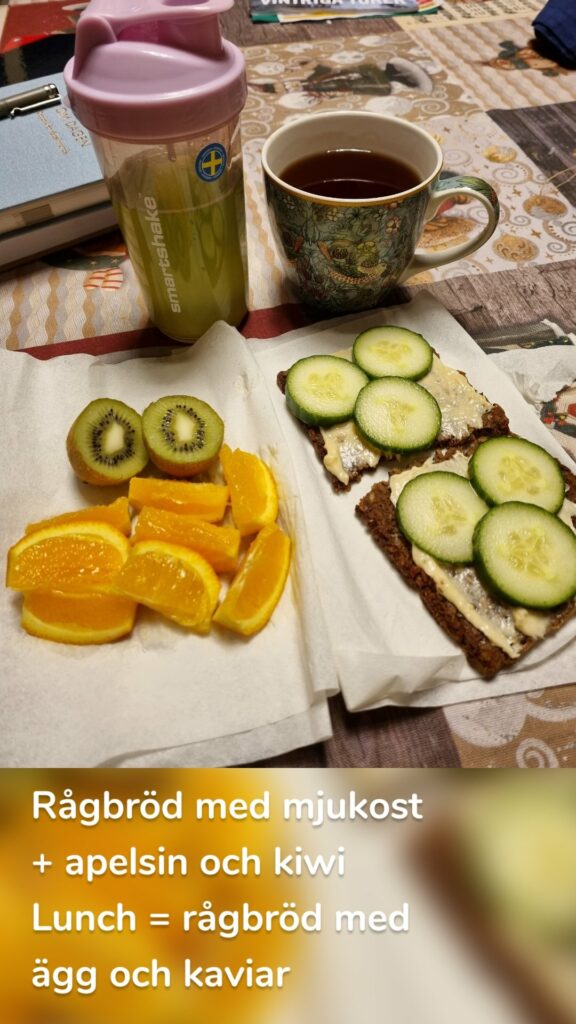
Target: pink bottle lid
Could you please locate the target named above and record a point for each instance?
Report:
(152, 70)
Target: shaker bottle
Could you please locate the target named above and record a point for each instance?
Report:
(161, 93)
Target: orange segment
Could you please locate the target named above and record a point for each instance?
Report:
(172, 580)
(116, 514)
(219, 545)
(70, 557)
(258, 585)
(78, 618)
(253, 493)
(205, 501)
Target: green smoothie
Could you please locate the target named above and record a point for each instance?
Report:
(186, 239)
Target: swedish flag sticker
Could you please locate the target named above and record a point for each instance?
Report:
(211, 162)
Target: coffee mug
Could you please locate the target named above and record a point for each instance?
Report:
(344, 254)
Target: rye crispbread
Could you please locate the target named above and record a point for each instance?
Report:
(494, 423)
(377, 512)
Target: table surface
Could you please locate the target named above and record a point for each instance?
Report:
(471, 75)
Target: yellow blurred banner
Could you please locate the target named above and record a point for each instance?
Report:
(224, 896)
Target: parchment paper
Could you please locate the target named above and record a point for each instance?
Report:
(538, 373)
(388, 649)
(167, 697)
(218, 699)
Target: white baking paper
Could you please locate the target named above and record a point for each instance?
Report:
(538, 373)
(388, 649)
(212, 700)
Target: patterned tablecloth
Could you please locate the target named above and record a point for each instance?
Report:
(471, 76)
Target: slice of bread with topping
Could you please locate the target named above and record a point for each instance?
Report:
(466, 414)
(492, 633)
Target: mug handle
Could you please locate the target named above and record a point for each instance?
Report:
(456, 186)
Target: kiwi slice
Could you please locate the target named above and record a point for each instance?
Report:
(183, 434)
(105, 443)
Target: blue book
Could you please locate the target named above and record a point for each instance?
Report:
(48, 168)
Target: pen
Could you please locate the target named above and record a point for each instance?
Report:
(29, 101)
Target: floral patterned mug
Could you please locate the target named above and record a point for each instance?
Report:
(343, 255)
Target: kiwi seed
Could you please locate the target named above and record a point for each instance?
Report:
(105, 443)
(183, 434)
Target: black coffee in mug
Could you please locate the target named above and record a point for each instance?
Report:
(351, 174)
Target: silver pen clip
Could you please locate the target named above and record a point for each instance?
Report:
(29, 101)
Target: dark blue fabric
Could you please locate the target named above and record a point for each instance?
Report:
(555, 27)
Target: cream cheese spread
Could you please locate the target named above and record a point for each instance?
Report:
(568, 513)
(346, 451)
(462, 409)
(461, 405)
(460, 585)
(531, 623)
(457, 463)
(500, 623)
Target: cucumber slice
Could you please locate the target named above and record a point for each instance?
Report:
(390, 351)
(511, 469)
(397, 415)
(526, 555)
(322, 390)
(438, 512)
